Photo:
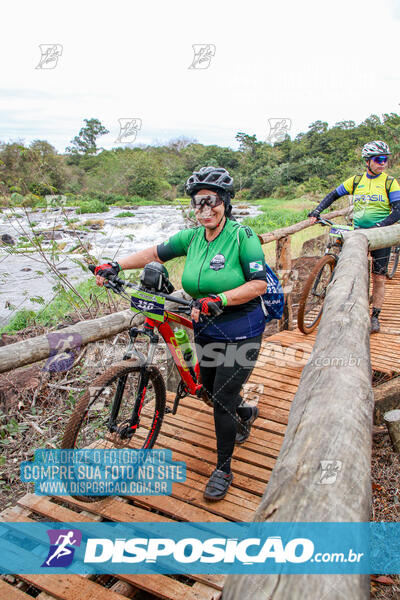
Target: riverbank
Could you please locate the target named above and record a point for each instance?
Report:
(43, 274)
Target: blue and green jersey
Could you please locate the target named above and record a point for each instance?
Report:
(371, 202)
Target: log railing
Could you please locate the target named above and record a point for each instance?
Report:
(330, 420)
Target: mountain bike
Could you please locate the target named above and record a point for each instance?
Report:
(313, 295)
(125, 406)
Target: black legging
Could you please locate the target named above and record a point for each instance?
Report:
(224, 368)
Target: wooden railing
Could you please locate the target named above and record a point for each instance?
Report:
(283, 258)
(330, 420)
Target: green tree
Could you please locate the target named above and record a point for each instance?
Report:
(85, 142)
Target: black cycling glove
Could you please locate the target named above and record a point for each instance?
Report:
(107, 269)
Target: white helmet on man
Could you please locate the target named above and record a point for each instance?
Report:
(375, 148)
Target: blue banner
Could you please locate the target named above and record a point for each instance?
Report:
(208, 548)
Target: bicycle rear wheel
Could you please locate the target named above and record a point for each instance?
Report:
(101, 416)
(395, 255)
(312, 298)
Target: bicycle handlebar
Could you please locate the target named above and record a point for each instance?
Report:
(324, 221)
(117, 285)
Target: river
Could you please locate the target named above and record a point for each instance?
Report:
(26, 275)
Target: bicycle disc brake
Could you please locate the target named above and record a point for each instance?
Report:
(125, 430)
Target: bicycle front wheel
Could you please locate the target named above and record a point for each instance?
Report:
(101, 417)
(395, 255)
(312, 298)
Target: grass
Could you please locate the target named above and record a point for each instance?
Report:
(124, 214)
(278, 213)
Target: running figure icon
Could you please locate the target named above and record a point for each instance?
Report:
(62, 549)
(60, 552)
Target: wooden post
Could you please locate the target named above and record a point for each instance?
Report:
(283, 268)
(386, 397)
(392, 421)
(330, 425)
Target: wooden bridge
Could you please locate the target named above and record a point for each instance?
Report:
(190, 434)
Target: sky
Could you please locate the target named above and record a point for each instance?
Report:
(299, 61)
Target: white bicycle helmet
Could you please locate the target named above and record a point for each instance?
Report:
(375, 148)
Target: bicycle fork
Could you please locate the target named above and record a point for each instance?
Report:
(127, 429)
(318, 279)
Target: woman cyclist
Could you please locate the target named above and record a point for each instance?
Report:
(225, 266)
(376, 199)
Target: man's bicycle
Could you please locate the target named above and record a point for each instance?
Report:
(313, 295)
(393, 262)
(125, 406)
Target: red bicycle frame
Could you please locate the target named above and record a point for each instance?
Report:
(168, 336)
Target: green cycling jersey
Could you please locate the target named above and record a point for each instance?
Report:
(228, 261)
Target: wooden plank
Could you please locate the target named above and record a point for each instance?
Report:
(186, 413)
(112, 509)
(275, 375)
(386, 365)
(187, 426)
(45, 507)
(203, 441)
(209, 457)
(42, 506)
(168, 588)
(238, 497)
(71, 587)
(243, 482)
(265, 398)
(10, 592)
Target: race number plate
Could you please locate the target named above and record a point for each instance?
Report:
(150, 305)
(337, 230)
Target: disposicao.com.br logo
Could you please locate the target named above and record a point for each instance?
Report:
(191, 550)
(197, 547)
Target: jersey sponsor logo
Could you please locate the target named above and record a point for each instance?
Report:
(367, 198)
(256, 266)
(248, 231)
(218, 262)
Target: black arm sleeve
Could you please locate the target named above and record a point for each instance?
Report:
(325, 202)
(393, 217)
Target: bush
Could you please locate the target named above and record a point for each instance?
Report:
(125, 214)
(41, 189)
(31, 200)
(243, 195)
(16, 199)
(21, 320)
(93, 206)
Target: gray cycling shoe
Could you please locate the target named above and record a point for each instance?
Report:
(218, 485)
(375, 326)
(244, 426)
